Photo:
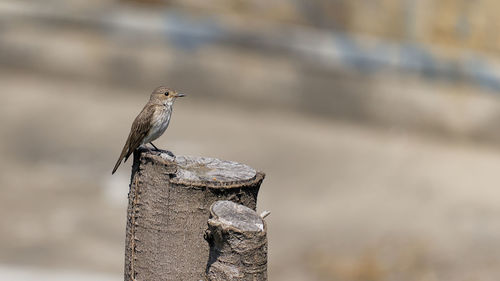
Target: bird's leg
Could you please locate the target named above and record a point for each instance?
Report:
(167, 151)
(154, 146)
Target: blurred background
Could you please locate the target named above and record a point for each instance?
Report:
(376, 121)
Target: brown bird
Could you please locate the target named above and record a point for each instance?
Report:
(151, 122)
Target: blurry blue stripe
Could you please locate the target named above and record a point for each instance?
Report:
(341, 49)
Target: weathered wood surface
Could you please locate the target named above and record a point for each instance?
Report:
(169, 205)
(238, 243)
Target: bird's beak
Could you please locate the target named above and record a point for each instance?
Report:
(179, 95)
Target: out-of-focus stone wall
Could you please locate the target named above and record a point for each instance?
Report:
(465, 24)
(295, 60)
(453, 23)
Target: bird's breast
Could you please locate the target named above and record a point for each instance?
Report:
(161, 119)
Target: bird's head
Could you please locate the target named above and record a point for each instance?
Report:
(165, 96)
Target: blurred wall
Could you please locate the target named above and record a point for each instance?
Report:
(314, 51)
(453, 23)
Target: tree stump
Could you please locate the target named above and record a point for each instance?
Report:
(238, 243)
(168, 209)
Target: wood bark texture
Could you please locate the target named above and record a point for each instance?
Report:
(168, 208)
(238, 243)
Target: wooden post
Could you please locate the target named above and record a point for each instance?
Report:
(238, 243)
(169, 205)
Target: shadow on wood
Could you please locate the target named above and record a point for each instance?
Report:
(169, 205)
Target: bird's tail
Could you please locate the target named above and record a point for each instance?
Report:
(122, 155)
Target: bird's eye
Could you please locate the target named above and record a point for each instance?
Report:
(167, 93)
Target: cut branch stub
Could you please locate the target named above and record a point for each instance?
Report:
(238, 243)
(169, 204)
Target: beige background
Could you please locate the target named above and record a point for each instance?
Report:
(386, 175)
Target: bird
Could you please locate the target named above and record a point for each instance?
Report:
(151, 122)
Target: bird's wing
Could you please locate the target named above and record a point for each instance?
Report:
(140, 128)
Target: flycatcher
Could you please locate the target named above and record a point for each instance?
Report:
(151, 122)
